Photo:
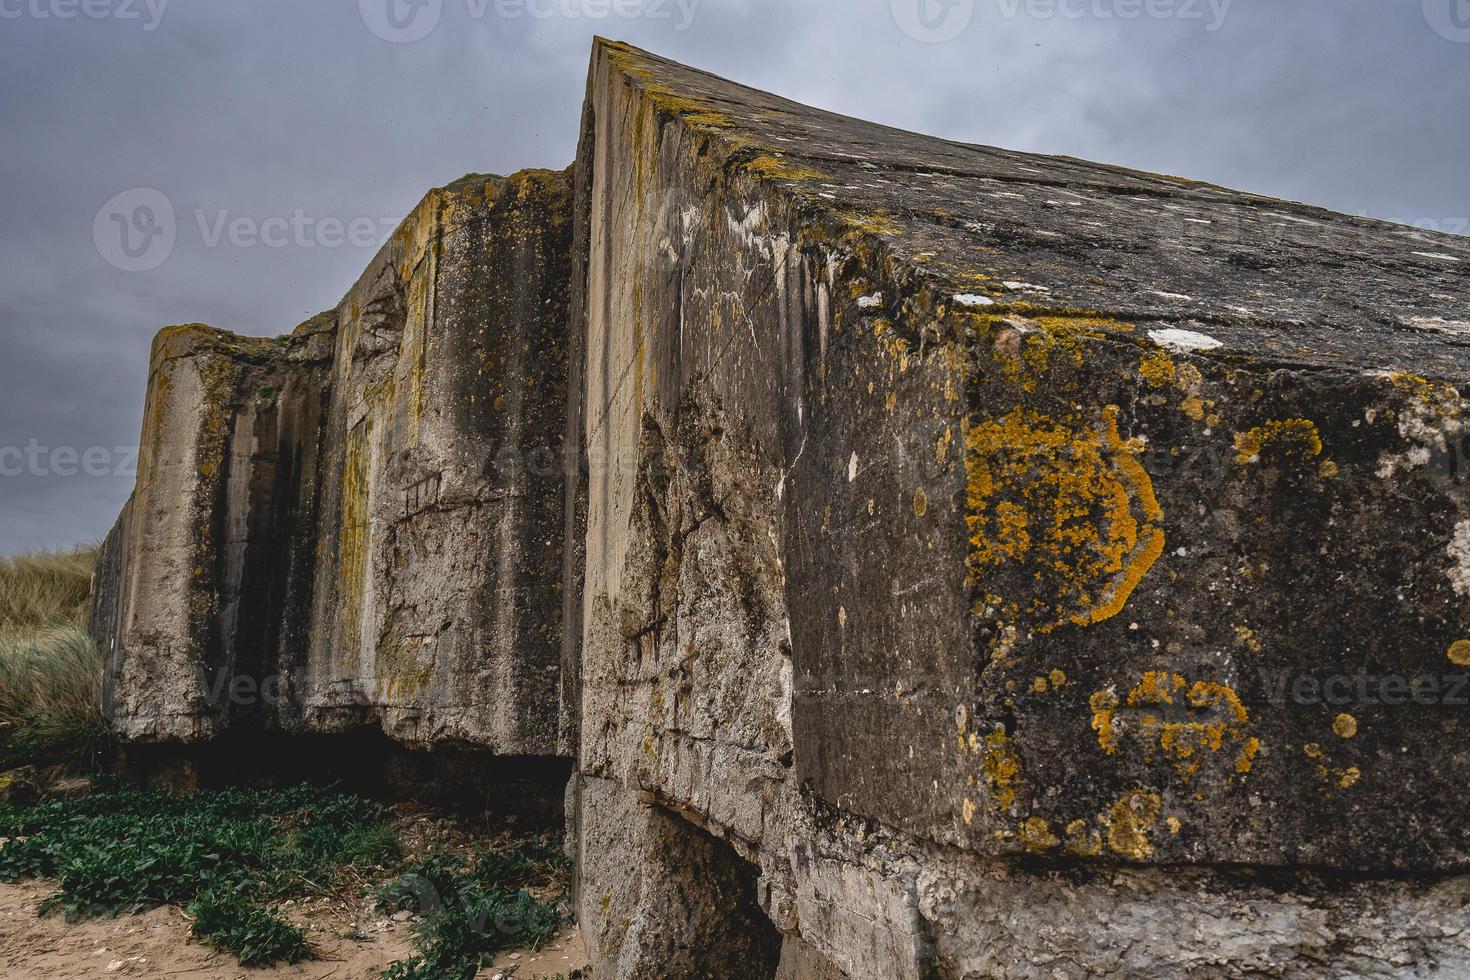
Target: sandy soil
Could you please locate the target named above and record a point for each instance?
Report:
(350, 944)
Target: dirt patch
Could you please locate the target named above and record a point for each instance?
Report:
(157, 944)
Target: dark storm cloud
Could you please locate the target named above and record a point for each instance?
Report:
(273, 129)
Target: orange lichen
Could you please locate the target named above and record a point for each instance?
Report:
(1247, 636)
(1028, 342)
(1223, 723)
(1279, 439)
(941, 445)
(772, 166)
(1345, 726)
(1459, 653)
(1002, 768)
(1157, 368)
(1130, 819)
(1247, 756)
(1083, 841)
(1036, 834)
(1068, 508)
(1104, 705)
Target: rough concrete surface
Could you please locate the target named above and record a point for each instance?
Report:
(940, 561)
(361, 524)
(955, 517)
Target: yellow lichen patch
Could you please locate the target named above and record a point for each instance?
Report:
(941, 446)
(218, 377)
(1247, 636)
(1130, 820)
(1279, 439)
(1247, 757)
(921, 502)
(1028, 343)
(857, 223)
(1327, 469)
(1002, 768)
(1436, 400)
(1459, 653)
(699, 115)
(1426, 391)
(354, 543)
(1057, 677)
(1345, 726)
(404, 665)
(1059, 516)
(1312, 750)
(1160, 371)
(1036, 835)
(1082, 840)
(1157, 368)
(1039, 686)
(1150, 539)
(155, 419)
(1341, 778)
(967, 810)
(1104, 705)
(771, 166)
(1223, 723)
(1174, 824)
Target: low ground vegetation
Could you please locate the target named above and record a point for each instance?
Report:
(233, 857)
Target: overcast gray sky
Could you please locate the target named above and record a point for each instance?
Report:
(330, 112)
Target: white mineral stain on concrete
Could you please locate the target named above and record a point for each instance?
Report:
(1437, 324)
(1459, 552)
(1183, 341)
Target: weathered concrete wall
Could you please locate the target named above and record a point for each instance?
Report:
(438, 608)
(976, 564)
(954, 519)
(361, 525)
(207, 576)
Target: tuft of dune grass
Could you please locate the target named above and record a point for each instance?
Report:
(50, 697)
(45, 589)
(50, 670)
